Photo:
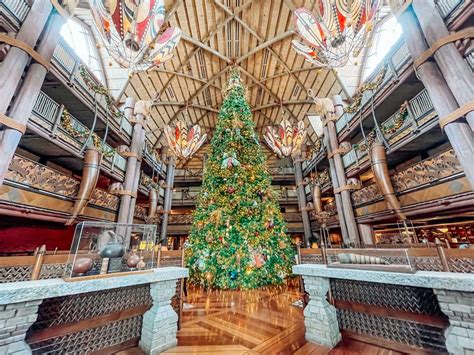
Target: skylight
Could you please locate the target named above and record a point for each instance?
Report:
(386, 35)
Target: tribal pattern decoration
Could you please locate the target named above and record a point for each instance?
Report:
(287, 140)
(183, 143)
(339, 30)
(133, 31)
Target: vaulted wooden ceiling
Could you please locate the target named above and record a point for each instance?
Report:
(254, 35)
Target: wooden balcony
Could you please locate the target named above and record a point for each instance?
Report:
(400, 128)
(36, 191)
(433, 184)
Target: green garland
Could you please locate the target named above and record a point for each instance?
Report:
(371, 85)
(101, 90)
(66, 124)
(387, 130)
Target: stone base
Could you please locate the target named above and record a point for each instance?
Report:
(15, 319)
(320, 317)
(160, 323)
(459, 307)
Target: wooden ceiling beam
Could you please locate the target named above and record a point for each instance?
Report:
(288, 103)
(201, 45)
(183, 75)
(264, 45)
(191, 98)
(220, 25)
(183, 103)
(260, 39)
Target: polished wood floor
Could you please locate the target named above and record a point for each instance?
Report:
(252, 322)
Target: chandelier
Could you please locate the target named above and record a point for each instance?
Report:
(287, 139)
(132, 32)
(337, 32)
(184, 143)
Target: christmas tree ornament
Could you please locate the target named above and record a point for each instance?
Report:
(134, 32)
(230, 161)
(338, 30)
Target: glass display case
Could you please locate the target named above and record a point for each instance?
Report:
(100, 249)
(396, 260)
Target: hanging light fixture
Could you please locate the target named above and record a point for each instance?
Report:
(287, 139)
(339, 30)
(184, 143)
(132, 32)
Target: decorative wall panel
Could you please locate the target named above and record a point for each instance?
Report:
(32, 174)
(427, 171)
(103, 199)
(366, 194)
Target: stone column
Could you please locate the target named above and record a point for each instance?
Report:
(320, 317)
(335, 185)
(15, 319)
(25, 99)
(168, 198)
(452, 65)
(16, 59)
(459, 307)
(160, 323)
(348, 211)
(302, 201)
(459, 133)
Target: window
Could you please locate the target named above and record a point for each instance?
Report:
(78, 37)
(386, 35)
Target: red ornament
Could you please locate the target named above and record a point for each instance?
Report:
(230, 190)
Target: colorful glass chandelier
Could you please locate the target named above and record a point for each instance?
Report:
(184, 143)
(287, 139)
(337, 32)
(133, 32)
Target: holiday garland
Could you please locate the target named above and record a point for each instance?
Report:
(66, 124)
(101, 90)
(371, 85)
(387, 130)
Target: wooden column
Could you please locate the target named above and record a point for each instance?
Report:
(351, 225)
(367, 235)
(138, 171)
(25, 99)
(302, 201)
(131, 162)
(16, 59)
(452, 65)
(168, 198)
(335, 185)
(458, 132)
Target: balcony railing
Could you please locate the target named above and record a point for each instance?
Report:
(15, 10)
(49, 115)
(31, 175)
(68, 65)
(395, 63)
(437, 168)
(419, 112)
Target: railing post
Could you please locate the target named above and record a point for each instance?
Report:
(442, 255)
(57, 121)
(36, 273)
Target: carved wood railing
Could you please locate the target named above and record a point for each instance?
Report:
(31, 175)
(419, 175)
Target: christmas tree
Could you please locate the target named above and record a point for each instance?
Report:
(238, 237)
